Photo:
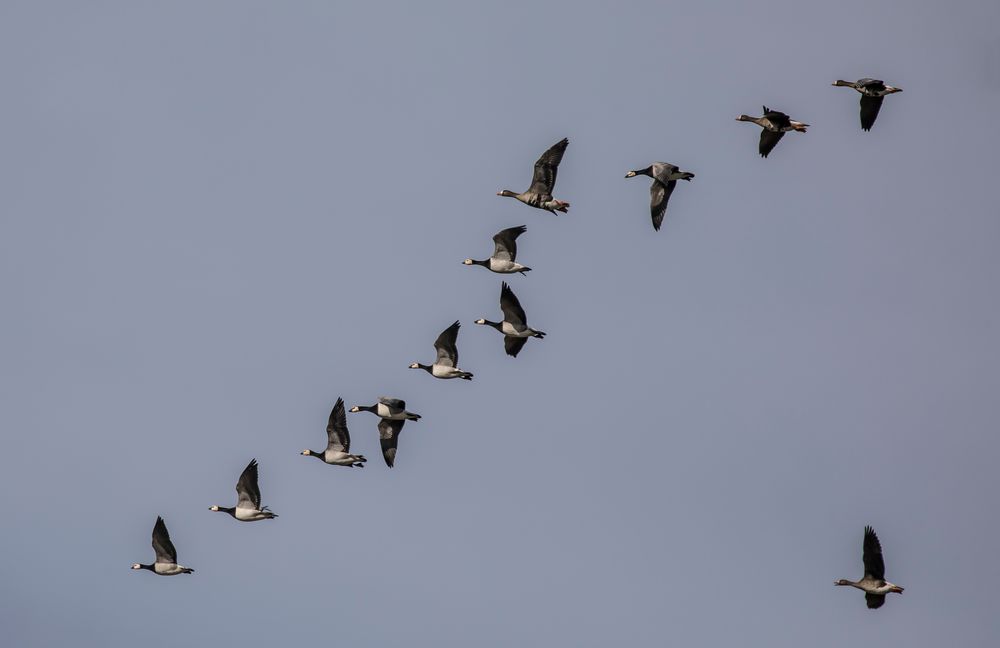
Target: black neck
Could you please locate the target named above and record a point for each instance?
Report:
(149, 567)
(496, 325)
(318, 455)
(427, 368)
(648, 171)
(231, 511)
(484, 262)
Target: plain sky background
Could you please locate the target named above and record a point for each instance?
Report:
(217, 217)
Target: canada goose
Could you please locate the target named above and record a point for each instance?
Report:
(539, 194)
(248, 508)
(665, 177)
(872, 92)
(514, 325)
(446, 364)
(775, 125)
(338, 441)
(166, 555)
(504, 252)
(393, 409)
(873, 584)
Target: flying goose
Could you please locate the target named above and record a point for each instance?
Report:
(775, 125)
(338, 441)
(504, 252)
(539, 194)
(873, 584)
(872, 92)
(665, 177)
(514, 325)
(388, 435)
(248, 508)
(446, 364)
(166, 555)
(392, 409)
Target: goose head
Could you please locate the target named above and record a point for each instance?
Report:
(890, 89)
(842, 581)
(841, 83)
(896, 588)
(306, 452)
(507, 192)
(746, 118)
(481, 320)
(214, 507)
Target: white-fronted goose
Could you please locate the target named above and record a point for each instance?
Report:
(872, 92)
(166, 555)
(248, 508)
(539, 194)
(775, 125)
(446, 364)
(514, 326)
(873, 584)
(504, 252)
(338, 441)
(665, 177)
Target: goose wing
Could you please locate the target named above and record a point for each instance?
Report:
(394, 403)
(164, 548)
(778, 118)
(544, 178)
(768, 140)
(659, 194)
(447, 351)
(246, 488)
(874, 601)
(513, 345)
(388, 434)
(511, 307)
(874, 565)
(337, 436)
(505, 243)
(869, 111)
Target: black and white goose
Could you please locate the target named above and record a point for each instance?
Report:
(248, 508)
(166, 555)
(775, 125)
(446, 364)
(514, 326)
(392, 412)
(872, 92)
(504, 252)
(393, 409)
(543, 180)
(874, 584)
(665, 177)
(338, 441)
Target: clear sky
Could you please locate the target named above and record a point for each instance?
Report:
(218, 217)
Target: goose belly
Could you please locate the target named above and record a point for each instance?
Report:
(441, 371)
(339, 458)
(167, 569)
(505, 267)
(508, 329)
(248, 515)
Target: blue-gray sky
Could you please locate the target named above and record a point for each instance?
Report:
(218, 217)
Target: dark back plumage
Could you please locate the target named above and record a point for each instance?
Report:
(246, 487)
(164, 548)
(778, 118)
(394, 403)
(445, 345)
(511, 307)
(874, 565)
(543, 180)
(337, 436)
(505, 243)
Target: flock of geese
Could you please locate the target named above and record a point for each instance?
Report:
(392, 412)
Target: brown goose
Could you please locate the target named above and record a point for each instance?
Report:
(665, 177)
(775, 125)
(872, 92)
(539, 194)
(874, 584)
